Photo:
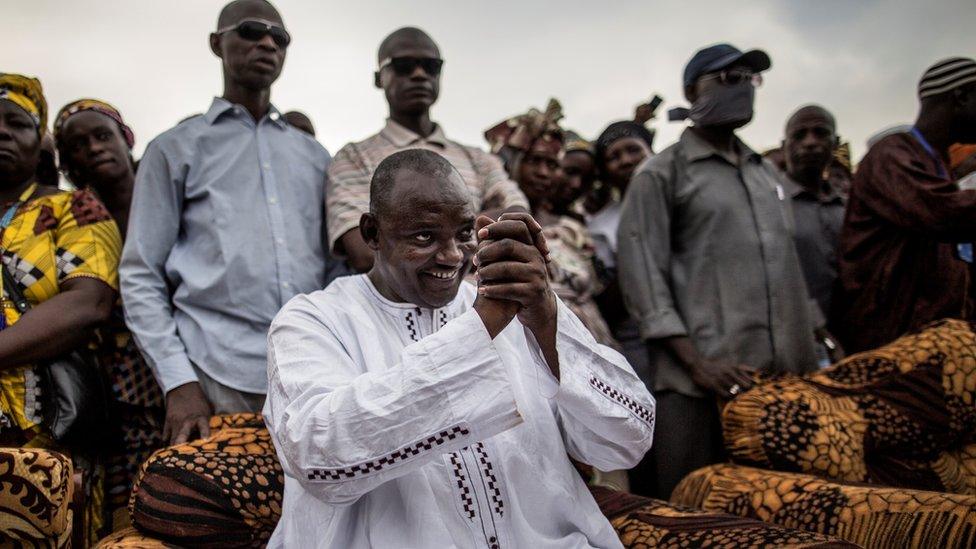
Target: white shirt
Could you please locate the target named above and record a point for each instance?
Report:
(405, 427)
(603, 228)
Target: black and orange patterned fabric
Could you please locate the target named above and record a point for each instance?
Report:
(221, 491)
(902, 415)
(35, 490)
(871, 516)
(130, 538)
(644, 523)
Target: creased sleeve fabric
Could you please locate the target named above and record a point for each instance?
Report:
(343, 428)
(154, 226)
(904, 192)
(87, 241)
(605, 412)
(500, 192)
(347, 193)
(644, 256)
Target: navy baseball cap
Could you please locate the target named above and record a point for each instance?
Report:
(719, 56)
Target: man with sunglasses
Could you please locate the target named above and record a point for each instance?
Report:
(226, 226)
(708, 267)
(408, 71)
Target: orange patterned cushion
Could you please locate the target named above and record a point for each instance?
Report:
(221, 491)
(35, 490)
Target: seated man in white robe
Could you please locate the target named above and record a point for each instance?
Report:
(411, 409)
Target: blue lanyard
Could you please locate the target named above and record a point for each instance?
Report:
(928, 148)
(965, 249)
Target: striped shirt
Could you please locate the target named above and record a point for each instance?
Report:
(352, 168)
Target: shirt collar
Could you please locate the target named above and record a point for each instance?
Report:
(697, 148)
(402, 137)
(795, 190)
(220, 106)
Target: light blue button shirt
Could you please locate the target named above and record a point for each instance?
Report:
(226, 225)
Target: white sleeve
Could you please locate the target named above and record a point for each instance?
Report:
(341, 432)
(605, 411)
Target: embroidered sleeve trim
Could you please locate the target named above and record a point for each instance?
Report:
(613, 394)
(403, 454)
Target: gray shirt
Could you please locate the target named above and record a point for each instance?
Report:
(818, 219)
(706, 251)
(227, 224)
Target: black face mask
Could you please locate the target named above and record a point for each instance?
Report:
(724, 106)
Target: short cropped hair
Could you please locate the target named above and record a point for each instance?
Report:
(421, 161)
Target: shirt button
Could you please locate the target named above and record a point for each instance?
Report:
(274, 116)
(273, 201)
(286, 285)
(266, 166)
(280, 240)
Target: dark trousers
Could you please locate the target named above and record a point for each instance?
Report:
(687, 436)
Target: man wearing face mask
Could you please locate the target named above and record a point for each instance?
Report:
(708, 268)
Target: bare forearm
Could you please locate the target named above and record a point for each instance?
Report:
(52, 328)
(546, 338)
(683, 349)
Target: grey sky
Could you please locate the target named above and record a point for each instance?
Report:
(859, 58)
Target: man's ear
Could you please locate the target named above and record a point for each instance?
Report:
(376, 80)
(369, 230)
(691, 93)
(215, 44)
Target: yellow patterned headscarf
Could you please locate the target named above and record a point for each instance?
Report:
(26, 93)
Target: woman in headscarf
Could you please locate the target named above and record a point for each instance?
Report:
(62, 249)
(530, 146)
(621, 147)
(95, 151)
(576, 176)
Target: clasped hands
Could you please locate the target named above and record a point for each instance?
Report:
(513, 279)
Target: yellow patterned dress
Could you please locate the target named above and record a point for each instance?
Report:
(50, 240)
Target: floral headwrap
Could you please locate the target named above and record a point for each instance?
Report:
(572, 142)
(523, 131)
(93, 105)
(26, 93)
(842, 155)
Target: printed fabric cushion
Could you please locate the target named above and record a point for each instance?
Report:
(130, 538)
(221, 491)
(35, 491)
(871, 516)
(644, 523)
(902, 415)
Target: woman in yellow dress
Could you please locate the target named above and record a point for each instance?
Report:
(62, 249)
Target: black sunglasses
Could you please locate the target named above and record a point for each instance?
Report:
(254, 30)
(404, 66)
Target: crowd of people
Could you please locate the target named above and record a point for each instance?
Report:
(687, 273)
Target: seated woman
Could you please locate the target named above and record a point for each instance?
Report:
(95, 151)
(62, 249)
(530, 145)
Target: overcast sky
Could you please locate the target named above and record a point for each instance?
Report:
(859, 58)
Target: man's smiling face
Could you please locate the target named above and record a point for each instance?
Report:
(424, 239)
